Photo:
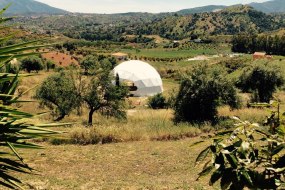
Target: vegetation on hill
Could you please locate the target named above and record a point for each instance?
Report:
(271, 6)
(231, 20)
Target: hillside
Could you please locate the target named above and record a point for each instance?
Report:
(29, 7)
(114, 27)
(229, 21)
(273, 6)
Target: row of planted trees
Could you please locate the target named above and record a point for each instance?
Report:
(244, 43)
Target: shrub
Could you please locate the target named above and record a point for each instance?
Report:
(32, 63)
(201, 92)
(50, 65)
(262, 80)
(249, 156)
(157, 102)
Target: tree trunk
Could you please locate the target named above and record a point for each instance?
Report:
(90, 117)
(59, 118)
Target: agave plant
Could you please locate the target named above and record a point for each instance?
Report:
(250, 155)
(15, 128)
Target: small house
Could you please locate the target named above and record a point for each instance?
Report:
(261, 55)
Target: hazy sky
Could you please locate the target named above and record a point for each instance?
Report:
(118, 6)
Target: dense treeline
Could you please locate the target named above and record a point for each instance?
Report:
(273, 45)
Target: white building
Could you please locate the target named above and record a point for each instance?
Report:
(145, 79)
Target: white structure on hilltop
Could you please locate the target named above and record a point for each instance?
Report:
(144, 78)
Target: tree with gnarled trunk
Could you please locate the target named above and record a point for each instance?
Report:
(59, 93)
(101, 94)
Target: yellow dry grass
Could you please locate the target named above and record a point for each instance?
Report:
(248, 114)
(132, 166)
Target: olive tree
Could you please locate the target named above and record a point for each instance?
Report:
(59, 93)
(102, 94)
(201, 92)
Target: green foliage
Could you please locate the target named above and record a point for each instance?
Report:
(262, 79)
(89, 63)
(102, 29)
(245, 43)
(249, 156)
(201, 92)
(59, 93)
(157, 102)
(16, 129)
(233, 64)
(50, 65)
(93, 64)
(100, 94)
(32, 63)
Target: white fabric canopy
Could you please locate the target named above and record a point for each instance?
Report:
(144, 76)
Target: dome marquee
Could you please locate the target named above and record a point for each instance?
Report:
(143, 76)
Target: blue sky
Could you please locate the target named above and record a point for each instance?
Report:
(119, 6)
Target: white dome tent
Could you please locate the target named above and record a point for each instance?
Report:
(143, 76)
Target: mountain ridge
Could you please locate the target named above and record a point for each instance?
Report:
(29, 7)
(272, 6)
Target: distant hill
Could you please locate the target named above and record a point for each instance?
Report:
(29, 7)
(231, 20)
(273, 6)
(209, 8)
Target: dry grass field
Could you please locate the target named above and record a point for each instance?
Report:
(60, 59)
(132, 165)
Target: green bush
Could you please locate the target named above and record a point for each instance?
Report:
(157, 102)
(201, 92)
(32, 63)
(50, 65)
(261, 79)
